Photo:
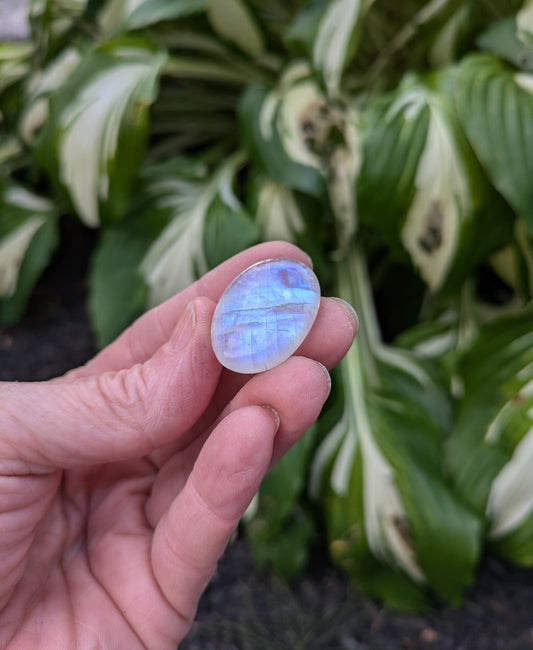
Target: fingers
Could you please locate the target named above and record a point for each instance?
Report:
(332, 333)
(150, 331)
(193, 534)
(116, 415)
(296, 390)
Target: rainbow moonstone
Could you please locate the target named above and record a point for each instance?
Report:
(264, 315)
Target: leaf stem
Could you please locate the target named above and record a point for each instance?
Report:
(354, 287)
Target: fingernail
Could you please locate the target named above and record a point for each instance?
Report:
(328, 377)
(353, 318)
(184, 328)
(273, 413)
(309, 260)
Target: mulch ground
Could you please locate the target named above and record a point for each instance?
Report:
(245, 609)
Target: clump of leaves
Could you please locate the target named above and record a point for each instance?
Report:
(393, 141)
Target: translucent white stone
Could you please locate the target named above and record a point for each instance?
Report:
(264, 315)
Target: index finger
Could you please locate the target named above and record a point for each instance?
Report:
(151, 330)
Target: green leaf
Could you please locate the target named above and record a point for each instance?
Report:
(177, 256)
(392, 518)
(15, 62)
(234, 22)
(287, 551)
(95, 138)
(117, 290)
(280, 530)
(258, 112)
(277, 211)
(516, 545)
(452, 36)
(118, 15)
(502, 39)
(421, 187)
(493, 416)
(10, 151)
(524, 23)
(394, 133)
(53, 23)
(326, 31)
(28, 236)
(228, 230)
(36, 110)
(305, 142)
(287, 215)
(496, 108)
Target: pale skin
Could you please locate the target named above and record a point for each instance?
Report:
(122, 482)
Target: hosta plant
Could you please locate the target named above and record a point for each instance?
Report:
(391, 140)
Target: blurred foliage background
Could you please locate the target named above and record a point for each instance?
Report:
(391, 140)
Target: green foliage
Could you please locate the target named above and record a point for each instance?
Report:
(28, 236)
(281, 528)
(496, 108)
(394, 142)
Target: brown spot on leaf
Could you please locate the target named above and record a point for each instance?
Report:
(431, 240)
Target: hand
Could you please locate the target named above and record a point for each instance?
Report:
(122, 482)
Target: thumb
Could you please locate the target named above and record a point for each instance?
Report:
(115, 415)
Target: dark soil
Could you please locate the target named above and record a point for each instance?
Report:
(242, 608)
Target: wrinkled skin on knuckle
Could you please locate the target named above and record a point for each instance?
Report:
(126, 399)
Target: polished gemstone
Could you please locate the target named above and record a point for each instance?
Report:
(264, 315)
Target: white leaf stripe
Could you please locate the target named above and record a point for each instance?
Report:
(90, 127)
(13, 248)
(278, 214)
(524, 21)
(442, 200)
(511, 495)
(232, 20)
(332, 39)
(176, 257)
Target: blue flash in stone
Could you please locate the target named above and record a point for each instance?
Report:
(264, 315)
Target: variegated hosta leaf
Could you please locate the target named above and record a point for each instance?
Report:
(420, 185)
(40, 86)
(305, 142)
(177, 257)
(51, 20)
(284, 214)
(444, 49)
(442, 198)
(490, 438)
(119, 15)
(15, 62)
(525, 244)
(514, 264)
(491, 449)
(510, 500)
(496, 108)
(27, 238)
(393, 522)
(233, 21)
(326, 31)
(278, 213)
(502, 38)
(10, 148)
(94, 140)
(524, 22)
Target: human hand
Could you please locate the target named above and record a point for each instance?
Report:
(122, 482)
